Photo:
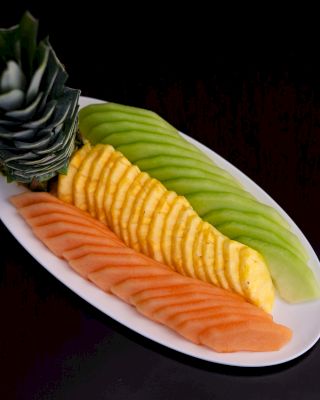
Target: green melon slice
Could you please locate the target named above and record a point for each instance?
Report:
(205, 202)
(157, 148)
(185, 163)
(128, 137)
(102, 131)
(167, 173)
(234, 229)
(257, 221)
(144, 149)
(187, 186)
(294, 280)
(95, 113)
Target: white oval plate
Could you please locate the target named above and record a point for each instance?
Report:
(303, 319)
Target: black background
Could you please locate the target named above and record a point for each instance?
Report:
(248, 88)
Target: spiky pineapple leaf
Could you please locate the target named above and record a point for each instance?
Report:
(8, 47)
(28, 30)
(38, 125)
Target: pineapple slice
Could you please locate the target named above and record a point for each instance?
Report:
(65, 182)
(181, 234)
(95, 173)
(82, 178)
(187, 245)
(119, 168)
(101, 187)
(210, 258)
(163, 225)
(128, 205)
(156, 226)
(119, 198)
(136, 210)
(148, 209)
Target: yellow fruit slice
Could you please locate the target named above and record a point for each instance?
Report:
(162, 224)
(136, 209)
(188, 243)
(120, 166)
(95, 173)
(231, 250)
(82, 177)
(219, 262)
(167, 235)
(128, 203)
(120, 195)
(65, 182)
(198, 262)
(180, 234)
(209, 256)
(101, 187)
(156, 225)
(147, 211)
(256, 284)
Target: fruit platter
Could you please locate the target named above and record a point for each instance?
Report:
(145, 223)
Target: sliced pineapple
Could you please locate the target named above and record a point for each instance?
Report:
(147, 211)
(167, 238)
(136, 203)
(128, 204)
(82, 178)
(156, 226)
(95, 173)
(197, 256)
(118, 202)
(188, 245)
(231, 253)
(101, 187)
(180, 235)
(219, 261)
(119, 168)
(161, 224)
(255, 279)
(65, 182)
(209, 256)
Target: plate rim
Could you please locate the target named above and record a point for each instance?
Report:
(76, 283)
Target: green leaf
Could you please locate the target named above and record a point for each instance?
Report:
(49, 110)
(26, 113)
(8, 44)
(62, 76)
(28, 30)
(23, 134)
(12, 99)
(12, 77)
(42, 56)
(38, 125)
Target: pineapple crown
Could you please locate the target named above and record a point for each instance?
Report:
(38, 113)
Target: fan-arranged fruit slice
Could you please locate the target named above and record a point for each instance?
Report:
(257, 223)
(157, 224)
(213, 193)
(295, 280)
(205, 202)
(94, 173)
(163, 225)
(129, 204)
(120, 196)
(200, 312)
(82, 178)
(103, 123)
(236, 229)
(192, 185)
(185, 165)
(35, 207)
(66, 191)
(119, 113)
